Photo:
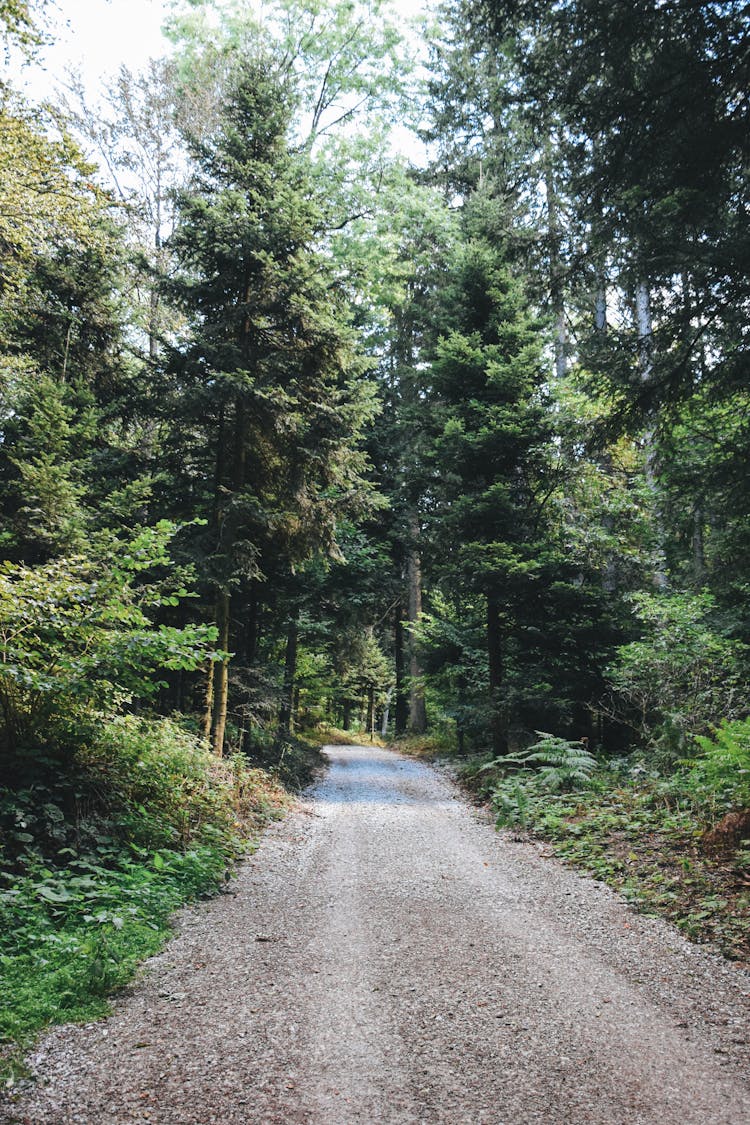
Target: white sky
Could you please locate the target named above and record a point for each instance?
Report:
(97, 36)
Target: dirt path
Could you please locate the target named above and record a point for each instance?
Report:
(389, 958)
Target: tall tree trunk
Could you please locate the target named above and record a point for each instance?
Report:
(417, 709)
(461, 714)
(401, 716)
(554, 238)
(154, 296)
(219, 467)
(646, 370)
(252, 624)
(240, 444)
(370, 720)
(290, 672)
(386, 714)
(699, 551)
(497, 672)
(221, 675)
(208, 710)
(600, 304)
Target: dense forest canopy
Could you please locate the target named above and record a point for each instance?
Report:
(300, 437)
(296, 434)
(460, 445)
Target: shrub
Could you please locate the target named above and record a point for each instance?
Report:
(683, 673)
(720, 778)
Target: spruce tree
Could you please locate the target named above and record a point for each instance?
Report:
(268, 385)
(491, 451)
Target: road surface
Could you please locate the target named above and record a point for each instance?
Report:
(387, 957)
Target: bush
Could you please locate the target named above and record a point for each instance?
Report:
(720, 778)
(683, 673)
(77, 641)
(92, 867)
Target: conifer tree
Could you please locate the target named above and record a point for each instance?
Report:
(491, 449)
(268, 383)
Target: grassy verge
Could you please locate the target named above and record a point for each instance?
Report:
(653, 853)
(324, 735)
(96, 859)
(429, 747)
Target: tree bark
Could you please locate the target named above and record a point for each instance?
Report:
(461, 716)
(600, 306)
(290, 672)
(386, 714)
(221, 675)
(699, 551)
(219, 467)
(417, 709)
(555, 264)
(497, 672)
(646, 369)
(370, 721)
(401, 716)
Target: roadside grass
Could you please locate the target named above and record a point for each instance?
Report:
(325, 735)
(94, 864)
(648, 838)
(652, 852)
(428, 747)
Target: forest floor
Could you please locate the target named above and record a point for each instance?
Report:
(386, 957)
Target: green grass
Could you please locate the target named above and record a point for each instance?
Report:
(72, 937)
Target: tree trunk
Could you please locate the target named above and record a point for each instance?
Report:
(461, 715)
(386, 714)
(252, 624)
(555, 264)
(221, 675)
(417, 709)
(370, 720)
(646, 369)
(290, 671)
(219, 468)
(699, 551)
(600, 305)
(154, 295)
(401, 715)
(497, 671)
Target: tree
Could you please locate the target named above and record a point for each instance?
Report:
(268, 377)
(491, 451)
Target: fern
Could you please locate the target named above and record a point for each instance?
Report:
(565, 764)
(722, 772)
(552, 765)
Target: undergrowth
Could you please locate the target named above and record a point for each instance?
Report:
(435, 744)
(675, 846)
(325, 735)
(95, 859)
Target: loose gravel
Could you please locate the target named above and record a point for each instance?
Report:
(386, 957)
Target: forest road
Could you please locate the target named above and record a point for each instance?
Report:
(388, 957)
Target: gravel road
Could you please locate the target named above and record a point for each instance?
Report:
(387, 957)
